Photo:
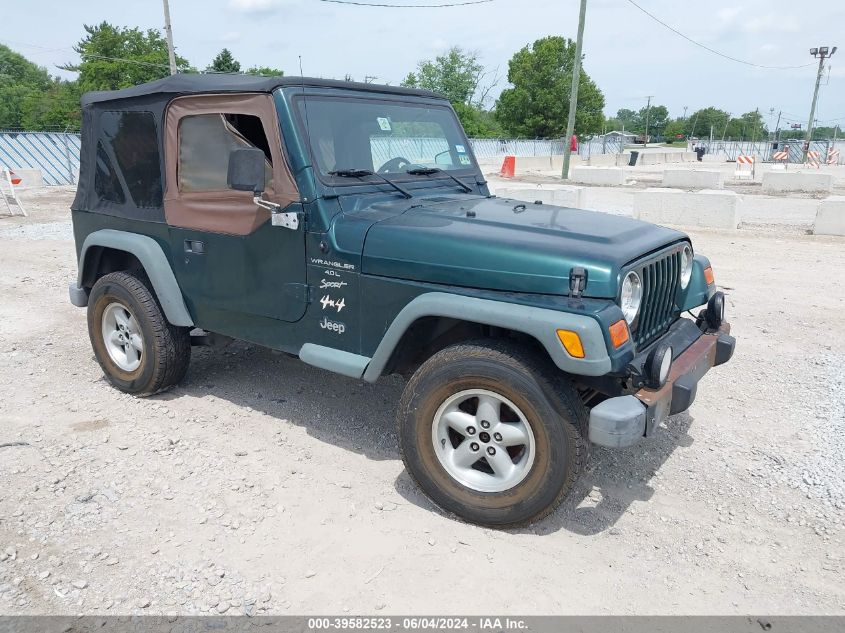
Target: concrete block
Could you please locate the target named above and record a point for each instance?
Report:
(689, 157)
(562, 195)
(603, 160)
(782, 182)
(652, 158)
(693, 178)
(598, 175)
(830, 217)
(30, 178)
(533, 163)
(708, 208)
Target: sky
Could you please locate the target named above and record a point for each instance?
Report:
(627, 53)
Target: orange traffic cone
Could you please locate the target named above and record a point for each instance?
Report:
(508, 167)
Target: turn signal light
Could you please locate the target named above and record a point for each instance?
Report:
(619, 333)
(708, 276)
(571, 342)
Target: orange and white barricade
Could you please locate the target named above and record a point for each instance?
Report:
(813, 159)
(744, 167)
(8, 181)
(832, 156)
(781, 159)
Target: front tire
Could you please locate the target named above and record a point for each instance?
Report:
(139, 350)
(492, 433)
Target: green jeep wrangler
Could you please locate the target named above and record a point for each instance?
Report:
(350, 225)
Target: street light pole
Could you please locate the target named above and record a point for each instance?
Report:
(822, 52)
(573, 92)
(168, 32)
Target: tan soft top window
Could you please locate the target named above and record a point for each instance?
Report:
(205, 141)
(200, 132)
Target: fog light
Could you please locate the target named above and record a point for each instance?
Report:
(658, 365)
(715, 313)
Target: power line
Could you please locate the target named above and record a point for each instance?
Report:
(712, 50)
(408, 6)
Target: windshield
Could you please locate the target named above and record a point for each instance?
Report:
(383, 137)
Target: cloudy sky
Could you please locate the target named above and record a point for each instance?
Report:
(627, 53)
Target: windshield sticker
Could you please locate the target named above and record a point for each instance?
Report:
(464, 159)
(384, 123)
(461, 149)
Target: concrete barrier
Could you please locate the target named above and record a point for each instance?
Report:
(830, 217)
(708, 208)
(30, 178)
(782, 182)
(652, 158)
(693, 178)
(598, 175)
(562, 195)
(603, 160)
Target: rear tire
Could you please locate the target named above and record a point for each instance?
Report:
(449, 414)
(139, 350)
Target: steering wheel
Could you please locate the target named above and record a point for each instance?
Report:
(394, 165)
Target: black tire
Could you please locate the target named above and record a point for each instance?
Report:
(553, 408)
(166, 350)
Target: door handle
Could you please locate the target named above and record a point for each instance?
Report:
(194, 246)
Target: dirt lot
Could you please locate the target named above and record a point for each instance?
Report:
(262, 485)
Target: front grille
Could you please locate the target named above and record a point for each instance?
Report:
(660, 277)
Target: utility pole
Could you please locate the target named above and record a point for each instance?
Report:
(647, 112)
(685, 113)
(777, 127)
(822, 52)
(168, 31)
(573, 92)
(725, 131)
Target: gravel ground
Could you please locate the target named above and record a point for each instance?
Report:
(262, 485)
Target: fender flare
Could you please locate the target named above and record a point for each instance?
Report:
(155, 264)
(539, 323)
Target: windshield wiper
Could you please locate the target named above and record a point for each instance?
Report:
(360, 173)
(428, 171)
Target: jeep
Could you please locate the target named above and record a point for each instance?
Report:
(350, 225)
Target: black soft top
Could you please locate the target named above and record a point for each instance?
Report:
(197, 83)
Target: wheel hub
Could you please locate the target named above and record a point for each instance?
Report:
(495, 459)
(122, 336)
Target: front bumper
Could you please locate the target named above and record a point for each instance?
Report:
(624, 420)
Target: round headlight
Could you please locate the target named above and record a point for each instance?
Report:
(631, 297)
(686, 266)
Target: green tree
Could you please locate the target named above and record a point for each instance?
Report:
(114, 57)
(265, 71)
(657, 117)
(701, 121)
(538, 103)
(460, 77)
(24, 86)
(55, 108)
(225, 63)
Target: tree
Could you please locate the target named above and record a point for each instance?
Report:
(265, 71)
(225, 63)
(538, 104)
(657, 117)
(21, 83)
(56, 108)
(461, 78)
(700, 122)
(114, 58)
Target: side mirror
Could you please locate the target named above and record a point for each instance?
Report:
(246, 170)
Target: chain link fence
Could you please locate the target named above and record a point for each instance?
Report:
(56, 153)
(765, 150)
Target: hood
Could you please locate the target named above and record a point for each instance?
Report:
(500, 244)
